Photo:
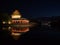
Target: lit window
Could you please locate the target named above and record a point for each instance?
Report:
(9, 22)
(3, 22)
(16, 16)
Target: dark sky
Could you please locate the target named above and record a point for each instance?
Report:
(32, 8)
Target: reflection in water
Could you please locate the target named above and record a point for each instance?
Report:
(17, 25)
(17, 33)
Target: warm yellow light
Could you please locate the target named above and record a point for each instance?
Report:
(16, 34)
(16, 12)
(3, 22)
(16, 16)
(27, 21)
(9, 22)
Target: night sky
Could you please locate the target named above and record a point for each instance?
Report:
(31, 8)
(34, 9)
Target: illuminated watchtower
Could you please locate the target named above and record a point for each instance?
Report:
(16, 14)
(19, 25)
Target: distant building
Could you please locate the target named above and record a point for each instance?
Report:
(18, 24)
